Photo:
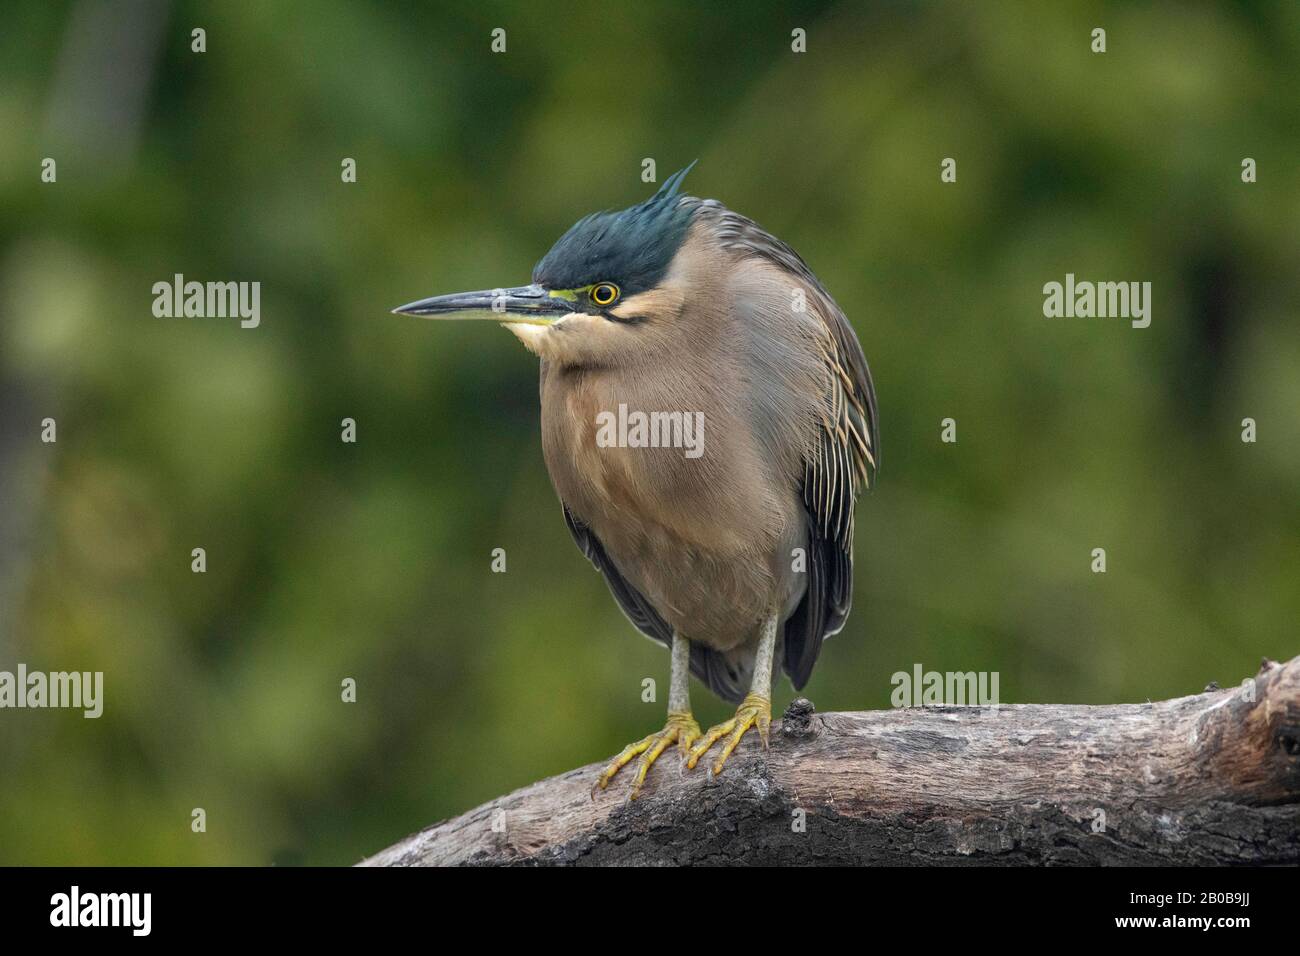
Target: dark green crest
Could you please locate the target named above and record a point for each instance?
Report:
(631, 247)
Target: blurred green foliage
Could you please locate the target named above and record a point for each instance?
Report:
(328, 560)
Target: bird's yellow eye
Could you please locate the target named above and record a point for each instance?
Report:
(604, 293)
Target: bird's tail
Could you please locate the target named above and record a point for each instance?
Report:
(728, 673)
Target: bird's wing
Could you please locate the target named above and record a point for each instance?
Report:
(726, 678)
(844, 454)
(841, 464)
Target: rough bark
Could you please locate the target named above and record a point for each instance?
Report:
(1208, 779)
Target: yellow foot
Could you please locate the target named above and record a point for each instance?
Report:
(681, 729)
(754, 711)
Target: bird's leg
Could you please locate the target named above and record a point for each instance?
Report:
(754, 711)
(680, 728)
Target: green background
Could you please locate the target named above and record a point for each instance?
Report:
(372, 561)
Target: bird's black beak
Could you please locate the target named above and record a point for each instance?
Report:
(530, 304)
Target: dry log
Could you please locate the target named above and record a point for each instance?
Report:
(1208, 779)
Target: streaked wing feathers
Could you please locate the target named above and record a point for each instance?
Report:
(842, 462)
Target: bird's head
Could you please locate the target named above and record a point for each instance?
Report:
(608, 290)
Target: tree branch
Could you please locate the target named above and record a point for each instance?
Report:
(1209, 779)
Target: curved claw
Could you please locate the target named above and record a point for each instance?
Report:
(754, 711)
(680, 729)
